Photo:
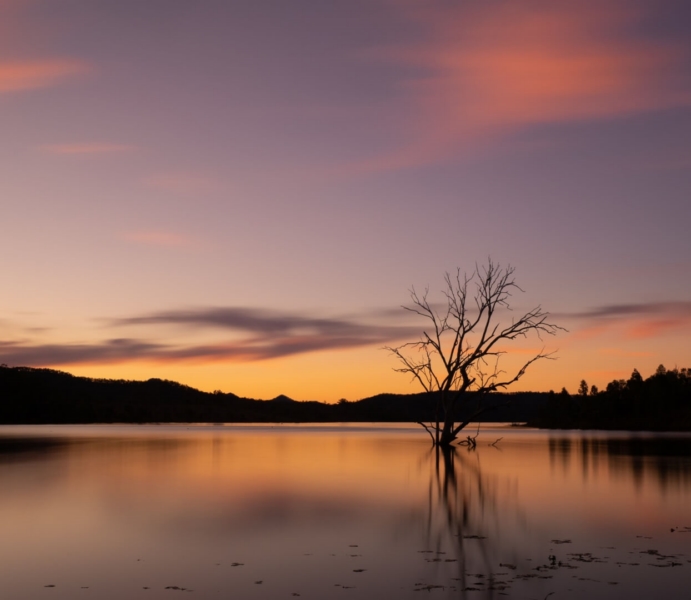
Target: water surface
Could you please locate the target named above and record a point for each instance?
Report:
(334, 511)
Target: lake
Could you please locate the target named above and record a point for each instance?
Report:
(341, 511)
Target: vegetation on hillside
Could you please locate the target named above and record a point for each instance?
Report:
(660, 402)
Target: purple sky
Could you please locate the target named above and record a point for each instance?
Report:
(239, 194)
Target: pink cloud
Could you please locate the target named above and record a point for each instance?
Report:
(618, 352)
(635, 321)
(190, 183)
(658, 327)
(592, 331)
(609, 374)
(159, 238)
(17, 76)
(493, 68)
(85, 148)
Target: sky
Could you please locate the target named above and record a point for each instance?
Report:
(240, 195)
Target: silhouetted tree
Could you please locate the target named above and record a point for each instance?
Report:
(583, 388)
(458, 355)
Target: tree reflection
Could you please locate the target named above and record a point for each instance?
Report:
(467, 511)
(655, 459)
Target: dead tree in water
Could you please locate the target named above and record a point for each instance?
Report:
(458, 355)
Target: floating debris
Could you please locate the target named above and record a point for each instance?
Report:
(681, 529)
(585, 557)
(534, 576)
(561, 542)
(429, 588)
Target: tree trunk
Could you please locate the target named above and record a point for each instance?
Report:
(447, 435)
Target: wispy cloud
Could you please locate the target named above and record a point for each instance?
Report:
(490, 68)
(272, 334)
(158, 238)
(608, 374)
(633, 321)
(86, 148)
(183, 183)
(619, 352)
(261, 321)
(17, 76)
(264, 335)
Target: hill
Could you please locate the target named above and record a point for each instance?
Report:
(41, 396)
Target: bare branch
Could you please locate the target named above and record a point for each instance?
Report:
(459, 351)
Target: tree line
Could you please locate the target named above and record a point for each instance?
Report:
(33, 396)
(660, 402)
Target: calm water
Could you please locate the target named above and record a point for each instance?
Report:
(340, 512)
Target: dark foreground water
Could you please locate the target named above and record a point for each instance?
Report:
(341, 512)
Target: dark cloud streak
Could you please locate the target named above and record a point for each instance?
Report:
(634, 321)
(268, 335)
(245, 319)
(643, 310)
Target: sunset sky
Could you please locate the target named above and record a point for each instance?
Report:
(239, 194)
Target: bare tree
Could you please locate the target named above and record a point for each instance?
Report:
(458, 355)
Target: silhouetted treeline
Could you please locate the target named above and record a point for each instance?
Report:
(33, 396)
(660, 403)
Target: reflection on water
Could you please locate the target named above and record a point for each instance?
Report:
(352, 511)
(645, 459)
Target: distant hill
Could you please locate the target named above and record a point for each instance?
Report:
(38, 396)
